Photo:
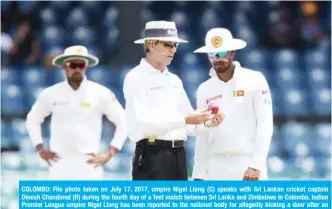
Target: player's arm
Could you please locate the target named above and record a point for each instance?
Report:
(264, 117)
(115, 113)
(36, 116)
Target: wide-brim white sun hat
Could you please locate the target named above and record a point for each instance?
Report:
(220, 40)
(76, 52)
(160, 30)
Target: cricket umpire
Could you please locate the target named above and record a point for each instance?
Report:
(158, 110)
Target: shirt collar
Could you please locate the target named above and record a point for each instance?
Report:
(149, 69)
(237, 70)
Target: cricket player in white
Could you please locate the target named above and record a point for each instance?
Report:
(76, 106)
(238, 148)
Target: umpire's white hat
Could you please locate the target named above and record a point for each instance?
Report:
(160, 30)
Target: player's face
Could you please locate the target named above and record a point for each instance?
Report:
(164, 51)
(75, 69)
(221, 61)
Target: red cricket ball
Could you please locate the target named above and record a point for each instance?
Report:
(214, 109)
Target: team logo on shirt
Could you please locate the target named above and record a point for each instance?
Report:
(216, 41)
(238, 93)
(85, 105)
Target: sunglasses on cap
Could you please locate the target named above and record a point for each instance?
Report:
(220, 54)
(74, 65)
(169, 45)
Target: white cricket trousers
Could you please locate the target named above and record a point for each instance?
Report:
(229, 167)
(75, 167)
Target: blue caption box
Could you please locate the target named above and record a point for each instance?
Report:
(175, 194)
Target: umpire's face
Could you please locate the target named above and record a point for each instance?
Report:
(75, 69)
(163, 51)
(221, 61)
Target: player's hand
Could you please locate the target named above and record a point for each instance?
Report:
(102, 158)
(217, 119)
(252, 174)
(198, 117)
(99, 159)
(48, 156)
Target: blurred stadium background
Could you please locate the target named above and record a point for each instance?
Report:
(290, 42)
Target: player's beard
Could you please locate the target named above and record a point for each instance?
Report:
(221, 67)
(76, 78)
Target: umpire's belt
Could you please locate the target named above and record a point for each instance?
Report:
(163, 143)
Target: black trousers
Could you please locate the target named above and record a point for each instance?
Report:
(155, 162)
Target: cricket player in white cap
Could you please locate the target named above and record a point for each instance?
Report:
(238, 148)
(76, 106)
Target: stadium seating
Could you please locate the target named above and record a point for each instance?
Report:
(322, 137)
(12, 100)
(93, 7)
(111, 37)
(321, 101)
(102, 75)
(34, 76)
(58, 75)
(61, 6)
(209, 20)
(9, 75)
(285, 58)
(277, 145)
(294, 101)
(77, 17)
(53, 35)
(6, 135)
(84, 35)
(110, 17)
(318, 78)
(287, 78)
(316, 59)
(297, 139)
(48, 16)
(19, 131)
